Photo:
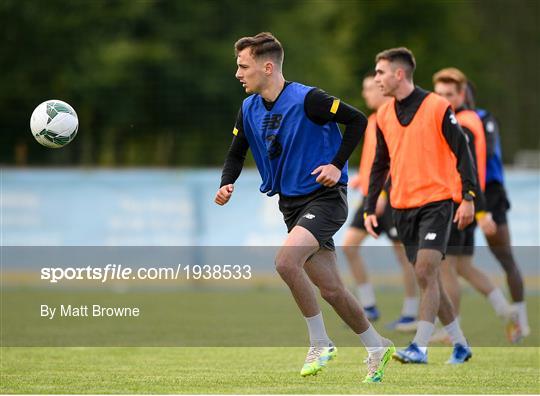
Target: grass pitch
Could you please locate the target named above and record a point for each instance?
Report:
(495, 368)
(257, 370)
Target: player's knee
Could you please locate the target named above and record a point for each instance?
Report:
(425, 274)
(285, 266)
(351, 251)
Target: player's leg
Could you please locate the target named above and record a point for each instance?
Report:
(433, 230)
(409, 311)
(461, 352)
(449, 277)
(323, 272)
(298, 247)
(456, 242)
(455, 249)
(407, 320)
(409, 278)
(427, 273)
(354, 236)
(483, 284)
(290, 259)
(500, 244)
(476, 278)
(452, 287)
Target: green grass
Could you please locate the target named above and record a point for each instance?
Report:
(189, 331)
(257, 370)
(247, 317)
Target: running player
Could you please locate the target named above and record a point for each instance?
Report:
(356, 233)
(451, 83)
(418, 142)
(301, 155)
(498, 204)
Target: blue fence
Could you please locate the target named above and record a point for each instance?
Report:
(175, 207)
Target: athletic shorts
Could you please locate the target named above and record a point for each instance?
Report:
(386, 224)
(461, 242)
(322, 212)
(426, 227)
(497, 202)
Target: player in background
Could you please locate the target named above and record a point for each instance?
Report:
(498, 204)
(301, 155)
(418, 141)
(451, 83)
(356, 234)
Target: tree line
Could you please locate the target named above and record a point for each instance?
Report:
(153, 81)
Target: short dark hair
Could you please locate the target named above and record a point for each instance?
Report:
(400, 55)
(370, 74)
(262, 45)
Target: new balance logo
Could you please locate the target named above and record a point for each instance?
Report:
(309, 216)
(271, 121)
(430, 236)
(274, 146)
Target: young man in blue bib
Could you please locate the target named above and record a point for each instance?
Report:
(301, 155)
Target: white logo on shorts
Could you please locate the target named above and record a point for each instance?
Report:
(430, 236)
(309, 216)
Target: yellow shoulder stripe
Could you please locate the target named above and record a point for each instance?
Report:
(235, 131)
(335, 106)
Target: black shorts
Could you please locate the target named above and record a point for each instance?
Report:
(322, 212)
(386, 224)
(461, 242)
(497, 202)
(426, 227)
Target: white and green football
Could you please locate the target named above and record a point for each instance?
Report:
(54, 123)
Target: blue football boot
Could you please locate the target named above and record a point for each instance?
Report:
(411, 354)
(460, 354)
(404, 324)
(372, 313)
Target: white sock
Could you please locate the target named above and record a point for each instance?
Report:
(454, 331)
(371, 340)
(499, 302)
(424, 330)
(522, 314)
(317, 331)
(410, 307)
(366, 295)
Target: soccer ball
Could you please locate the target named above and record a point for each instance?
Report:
(54, 123)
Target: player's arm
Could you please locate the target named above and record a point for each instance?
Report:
(456, 139)
(234, 162)
(382, 201)
(483, 217)
(320, 107)
(491, 128)
(378, 178)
